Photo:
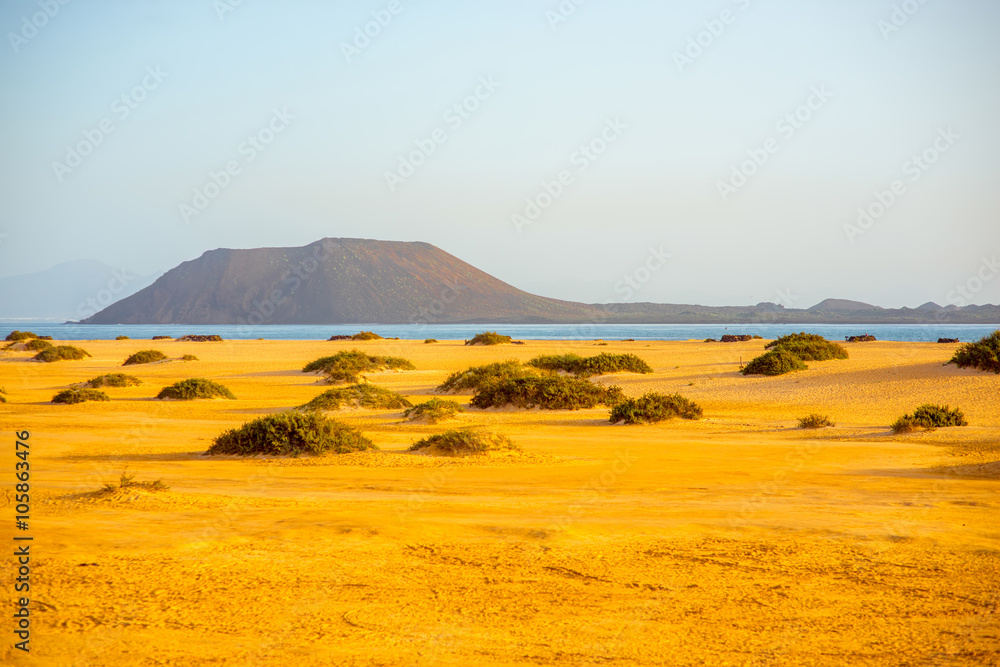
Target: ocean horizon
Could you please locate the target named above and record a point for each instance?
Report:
(581, 331)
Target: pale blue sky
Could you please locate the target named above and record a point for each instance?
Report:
(656, 185)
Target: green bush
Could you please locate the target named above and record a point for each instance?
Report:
(37, 345)
(358, 395)
(815, 420)
(291, 434)
(433, 411)
(192, 388)
(366, 335)
(654, 407)
(16, 336)
(127, 481)
(144, 357)
(488, 338)
(189, 357)
(601, 364)
(462, 442)
(73, 396)
(348, 365)
(61, 352)
(552, 392)
(983, 355)
(929, 416)
(114, 380)
(476, 377)
(775, 362)
(428, 341)
(122, 338)
(809, 347)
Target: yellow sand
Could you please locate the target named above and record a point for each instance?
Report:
(739, 539)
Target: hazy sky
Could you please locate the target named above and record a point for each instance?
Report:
(117, 114)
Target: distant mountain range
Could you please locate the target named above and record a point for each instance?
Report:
(357, 281)
(73, 290)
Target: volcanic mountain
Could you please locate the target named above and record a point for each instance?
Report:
(334, 281)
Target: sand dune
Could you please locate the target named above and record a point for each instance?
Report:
(737, 539)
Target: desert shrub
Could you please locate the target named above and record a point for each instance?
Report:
(477, 377)
(462, 442)
(809, 347)
(73, 396)
(114, 380)
(488, 338)
(601, 364)
(37, 345)
(358, 395)
(929, 416)
(127, 481)
(61, 352)
(199, 338)
(428, 341)
(433, 411)
(291, 433)
(775, 362)
(815, 420)
(144, 357)
(16, 336)
(346, 366)
(711, 340)
(653, 407)
(192, 388)
(162, 337)
(983, 355)
(552, 392)
(122, 338)
(366, 335)
(189, 357)
(3, 397)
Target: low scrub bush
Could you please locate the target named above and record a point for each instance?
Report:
(983, 355)
(358, 395)
(775, 362)
(601, 364)
(37, 345)
(489, 338)
(477, 377)
(193, 388)
(366, 335)
(654, 407)
(291, 434)
(428, 341)
(462, 442)
(127, 481)
(552, 392)
(60, 353)
(189, 357)
(122, 338)
(809, 347)
(198, 338)
(16, 336)
(433, 411)
(3, 395)
(929, 416)
(114, 380)
(73, 396)
(144, 357)
(163, 337)
(815, 420)
(347, 366)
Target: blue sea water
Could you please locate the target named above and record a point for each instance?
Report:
(895, 332)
